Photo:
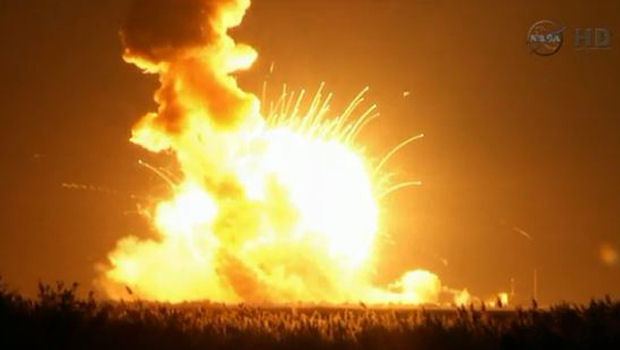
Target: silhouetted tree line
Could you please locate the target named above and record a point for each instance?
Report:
(58, 319)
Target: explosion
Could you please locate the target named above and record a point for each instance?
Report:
(280, 206)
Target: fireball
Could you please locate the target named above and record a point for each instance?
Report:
(271, 206)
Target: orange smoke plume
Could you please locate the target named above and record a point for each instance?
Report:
(187, 44)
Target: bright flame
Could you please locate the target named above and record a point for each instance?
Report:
(462, 298)
(281, 208)
(499, 300)
(417, 287)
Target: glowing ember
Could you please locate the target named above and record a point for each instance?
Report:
(279, 207)
(608, 254)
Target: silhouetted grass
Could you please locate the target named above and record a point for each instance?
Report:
(57, 319)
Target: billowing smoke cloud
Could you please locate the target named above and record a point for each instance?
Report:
(160, 30)
(186, 43)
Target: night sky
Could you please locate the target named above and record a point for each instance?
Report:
(520, 163)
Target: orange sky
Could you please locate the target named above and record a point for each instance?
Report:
(514, 142)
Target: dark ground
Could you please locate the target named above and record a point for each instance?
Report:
(57, 319)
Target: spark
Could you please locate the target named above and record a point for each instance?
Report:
(398, 147)
(522, 233)
(162, 173)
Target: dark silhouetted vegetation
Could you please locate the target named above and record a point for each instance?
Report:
(57, 319)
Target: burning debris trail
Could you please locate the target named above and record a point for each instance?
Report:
(281, 207)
